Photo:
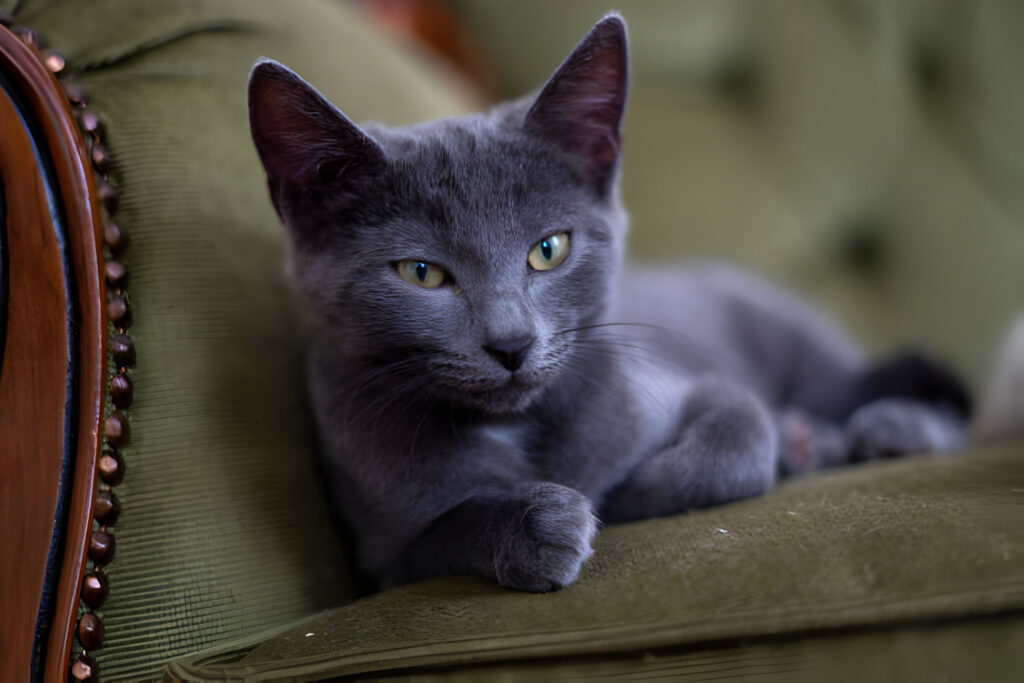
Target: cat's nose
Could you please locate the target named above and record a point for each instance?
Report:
(509, 352)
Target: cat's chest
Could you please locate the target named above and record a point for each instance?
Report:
(592, 438)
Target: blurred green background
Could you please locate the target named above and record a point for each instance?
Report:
(868, 153)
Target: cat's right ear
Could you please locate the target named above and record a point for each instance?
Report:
(305, 143)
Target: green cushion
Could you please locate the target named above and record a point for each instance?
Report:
(223, 531)
(964, 650)
(885, 544)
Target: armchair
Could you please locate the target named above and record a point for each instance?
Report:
(151, 392)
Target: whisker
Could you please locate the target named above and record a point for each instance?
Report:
(579, 366)
(634, 350)
(391, 370)
(416, 432)
(708, 356)
(395, 395)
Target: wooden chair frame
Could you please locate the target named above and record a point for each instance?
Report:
(53, 330)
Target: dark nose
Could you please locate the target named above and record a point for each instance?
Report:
(509, 352)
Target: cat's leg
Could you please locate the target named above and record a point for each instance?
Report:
(885, 428)
(726, 451)
(808, 443)
(893, 427)
(533, 537)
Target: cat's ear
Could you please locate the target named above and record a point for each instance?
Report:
(580, 108)
(305, 143)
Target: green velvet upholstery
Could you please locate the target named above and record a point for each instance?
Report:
(865, 547)
(782, 135)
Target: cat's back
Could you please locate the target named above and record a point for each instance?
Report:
(710, 316)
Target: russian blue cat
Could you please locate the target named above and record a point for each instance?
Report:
(489, 382)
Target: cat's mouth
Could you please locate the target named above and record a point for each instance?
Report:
(511, 395)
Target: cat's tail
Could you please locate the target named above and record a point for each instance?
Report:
(1001, 414)
(914, 376)
(906, 403)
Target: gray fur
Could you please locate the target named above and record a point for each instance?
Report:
(444, 461)
(893, 427)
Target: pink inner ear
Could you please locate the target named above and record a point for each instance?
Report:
(284, 126)
(604, 152)
(277, 114)
(580, 109)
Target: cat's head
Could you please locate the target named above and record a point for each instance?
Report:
(462, 252)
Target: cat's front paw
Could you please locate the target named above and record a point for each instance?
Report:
(549, 540)
(891, 428)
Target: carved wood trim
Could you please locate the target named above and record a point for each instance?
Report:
(53, 364)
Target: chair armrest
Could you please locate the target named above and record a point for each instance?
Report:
(52, 361)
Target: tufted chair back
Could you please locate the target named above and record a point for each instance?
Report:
(865, 153)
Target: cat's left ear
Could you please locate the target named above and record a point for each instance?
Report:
(580, 109)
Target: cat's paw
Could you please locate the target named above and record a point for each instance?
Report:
(891, 428)
(549, 541)
(807, 443)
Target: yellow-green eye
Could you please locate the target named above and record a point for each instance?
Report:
(549, 252)
(421, 273)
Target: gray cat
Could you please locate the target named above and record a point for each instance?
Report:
(488, 384)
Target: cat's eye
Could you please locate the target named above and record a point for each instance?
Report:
(549, 252)
(421, 273)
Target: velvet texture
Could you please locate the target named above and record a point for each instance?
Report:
(876, 546)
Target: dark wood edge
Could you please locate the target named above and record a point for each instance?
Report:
(78, 197)
(3, 275)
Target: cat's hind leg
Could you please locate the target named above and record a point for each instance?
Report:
(726, 451)
(893, 427)
(882, 429)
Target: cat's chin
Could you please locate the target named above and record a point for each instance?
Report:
(510, 398)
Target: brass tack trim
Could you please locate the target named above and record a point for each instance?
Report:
(116, 428)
